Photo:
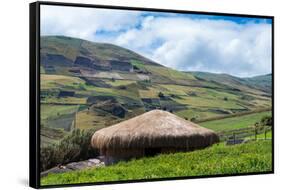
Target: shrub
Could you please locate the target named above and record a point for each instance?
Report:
(144, 84)
(122, 87)
(81, 86)
(75, 147)
(193, 119)
(192, 94)
(161, 95)
(266, 121)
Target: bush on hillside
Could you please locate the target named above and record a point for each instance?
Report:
(161, 95)
(73, 148)
(266, 121)
(193, 119)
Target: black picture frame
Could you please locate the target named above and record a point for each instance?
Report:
(34, 90)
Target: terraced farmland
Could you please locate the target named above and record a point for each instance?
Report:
(235, 122)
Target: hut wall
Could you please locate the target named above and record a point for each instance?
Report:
(173, 150)
(114, 156)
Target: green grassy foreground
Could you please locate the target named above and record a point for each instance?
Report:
(218, 159)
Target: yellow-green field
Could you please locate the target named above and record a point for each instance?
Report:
(235, 122)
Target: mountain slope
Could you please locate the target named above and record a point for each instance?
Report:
(73, 48)
(262, 82)
(91, 85)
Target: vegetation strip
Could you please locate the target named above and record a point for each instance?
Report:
(232, 123)
(235, 115)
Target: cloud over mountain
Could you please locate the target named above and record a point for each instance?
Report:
(183, 42)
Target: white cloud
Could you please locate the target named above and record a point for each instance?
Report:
(84, 22)
(182, 43)
(204, 45)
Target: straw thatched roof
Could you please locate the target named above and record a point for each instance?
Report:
(154, 129)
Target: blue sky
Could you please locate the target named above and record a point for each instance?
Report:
(238, 46)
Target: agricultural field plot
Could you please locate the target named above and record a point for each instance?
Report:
(42, 70)
(212, 96)
(65, 100)
(194, 114)
(117, 83)
(56, 122)
(248, 85)
(51, 136)
(108, 75)
(169, 73)
(55, 81)
(149, 93)
(61, 45)
(235, 122)
(94, 119)
(58, 116)
(53, 111)
(216, 160)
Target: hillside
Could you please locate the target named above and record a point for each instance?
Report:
(262, 82)
(91, 85)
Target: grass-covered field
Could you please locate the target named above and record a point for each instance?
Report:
(235, 122)
(262, 135)
(216, 160)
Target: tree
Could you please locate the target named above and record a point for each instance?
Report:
(266, 121)
(161, 95)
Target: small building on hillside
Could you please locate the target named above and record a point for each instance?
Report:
(121, 66)
(149, 134)
(63, 93)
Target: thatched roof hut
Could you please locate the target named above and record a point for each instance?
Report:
(151, 133)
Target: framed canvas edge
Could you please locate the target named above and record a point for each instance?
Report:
(34, 92)
(34, 96)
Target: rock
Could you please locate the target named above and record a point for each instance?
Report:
(79, 165)
(100, 164)
(95, 161)
(55, 170)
